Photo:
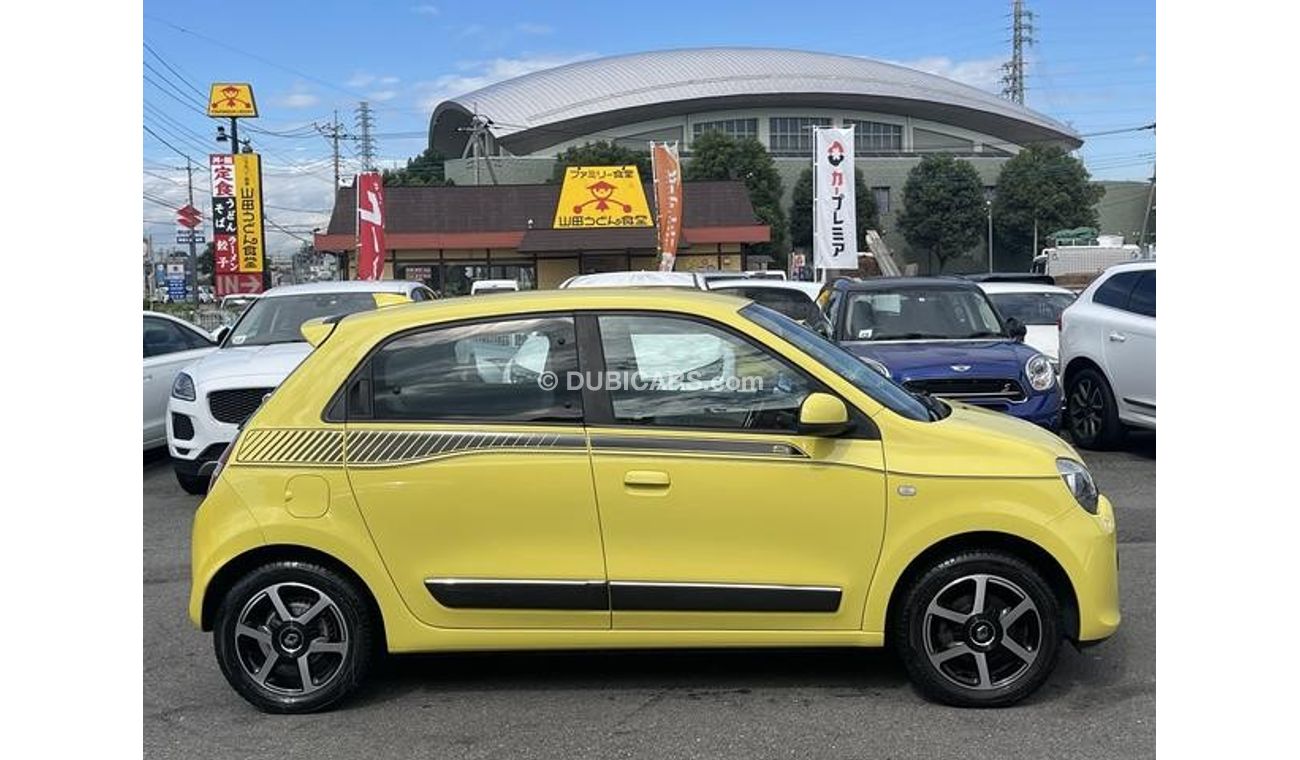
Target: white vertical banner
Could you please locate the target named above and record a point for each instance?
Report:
(835, 224)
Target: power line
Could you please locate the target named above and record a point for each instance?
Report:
(179, 75)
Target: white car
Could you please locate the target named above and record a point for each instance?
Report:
(1037, 307)
(636, 280)
(492, 286)
(1108, 356)
(213, 397)
(169, 345)
(794, 299)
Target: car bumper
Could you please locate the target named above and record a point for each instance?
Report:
(207, 437)
(1095, 572)
(1042, 409)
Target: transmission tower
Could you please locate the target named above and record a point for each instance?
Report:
(365, 123)
(1022, 36)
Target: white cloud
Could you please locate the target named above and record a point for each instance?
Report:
(299, 100)
(360, 79)
(477, 74)
(984, 73)
(389, 80)
(424, 9)
(527, 27)
(381, 96)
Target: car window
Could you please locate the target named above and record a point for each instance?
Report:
(1143, 298)
(1042, 308)
(279, 319)
(913, 313)
(792, 303)
(516, 370)
(679, 372)
(1114, 292)
(164, 337)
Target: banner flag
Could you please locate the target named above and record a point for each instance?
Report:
(835, 234)
(666, 167)
(370, 226)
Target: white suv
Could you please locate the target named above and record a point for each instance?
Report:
(213, 397)
(1108, 356)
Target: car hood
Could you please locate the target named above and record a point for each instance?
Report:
(1044, 338)
(268, 364)
(913, 360)
(976, 442)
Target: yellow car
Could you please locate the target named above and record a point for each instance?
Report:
(635, 468)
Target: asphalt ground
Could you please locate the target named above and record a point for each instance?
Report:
(1099, 703)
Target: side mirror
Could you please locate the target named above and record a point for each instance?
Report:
(1016, 330)
(824, 415)
(219, 334)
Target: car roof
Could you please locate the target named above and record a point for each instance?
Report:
(344, 286)
(1130, 266)
(756, 282)
(626, 279)
(1023, 287)
(394, 318)
(899, 283)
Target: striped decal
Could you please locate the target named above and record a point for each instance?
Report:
(291, 446)
(376, 448)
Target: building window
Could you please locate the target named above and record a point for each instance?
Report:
(881, 195)
(875, 136)
(738, 129)
(793, 135)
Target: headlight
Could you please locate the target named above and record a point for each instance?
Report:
(183, 387)
(877, 366)
(1040, 373)
(1079, 481)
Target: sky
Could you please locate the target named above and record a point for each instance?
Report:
(1092, 66)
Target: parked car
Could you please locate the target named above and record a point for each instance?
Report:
(398, 494)
(1036, 306)
(942, 336)
(636, 280)
(493, 286)
(766, 274)
(169, 345)
(1108, 356)
(212, 398)
(788, 297)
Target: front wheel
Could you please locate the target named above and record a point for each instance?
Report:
(294, 637)
(1090, 411)
(978, 629)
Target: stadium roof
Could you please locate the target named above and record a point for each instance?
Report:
(538, 110)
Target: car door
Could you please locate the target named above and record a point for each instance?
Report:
(168, 348)
(1130, 346)
(469, 463)
(716, 512)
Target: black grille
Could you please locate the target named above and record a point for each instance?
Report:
(969, 387)
(235, 406)
(182, 428)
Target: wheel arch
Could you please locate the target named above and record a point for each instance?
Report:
(240, 565)
(1079, 363)
(1037, 557)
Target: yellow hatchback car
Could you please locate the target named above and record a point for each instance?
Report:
(635, 468)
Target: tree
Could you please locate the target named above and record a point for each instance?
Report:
(801, 215)
(1041, 184)
(602, 153)
(425, 169)
(943, 208)
(204, 263)
(715, 156)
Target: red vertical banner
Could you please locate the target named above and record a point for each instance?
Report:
(667, 170)
(225, 225)
(370, 226)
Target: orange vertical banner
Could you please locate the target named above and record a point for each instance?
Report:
(667, 170)
(370, 226)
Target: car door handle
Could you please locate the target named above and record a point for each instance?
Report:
(1115, 337)
(647, 479)
(147, 378)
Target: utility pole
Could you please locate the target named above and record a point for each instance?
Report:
(1146, 215)
(476, 146)
(1013, 71)
(365, 122)
(194, 259)
(332, 132)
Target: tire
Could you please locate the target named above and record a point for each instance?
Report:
(196, 485)
(942, 650)
(331, 628)
(1091, 414)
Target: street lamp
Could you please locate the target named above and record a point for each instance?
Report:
(988, 206)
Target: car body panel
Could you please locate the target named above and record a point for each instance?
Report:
(159, 373)
(835, 519)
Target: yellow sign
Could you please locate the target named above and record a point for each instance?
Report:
(233, 100)
(602, 197)
(248, 212)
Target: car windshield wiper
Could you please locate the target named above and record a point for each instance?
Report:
(986, 334)
(912, 336)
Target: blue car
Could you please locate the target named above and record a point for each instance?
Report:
(942, 336)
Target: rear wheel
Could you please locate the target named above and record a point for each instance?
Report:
(192, 484)
(978, 629)
(294, 637)
(1091, 414)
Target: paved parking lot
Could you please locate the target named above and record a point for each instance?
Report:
(1098, 704)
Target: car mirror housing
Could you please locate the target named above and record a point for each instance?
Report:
(219, 334)
(1016, 330)
(824, 415)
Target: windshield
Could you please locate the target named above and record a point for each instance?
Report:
(279, 319)
(920, 313)
(844, 364)
(1032, 308)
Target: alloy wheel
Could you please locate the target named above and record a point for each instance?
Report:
(291, 639)
(1087, 409)
(982, 632)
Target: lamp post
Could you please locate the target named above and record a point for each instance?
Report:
(988, 206)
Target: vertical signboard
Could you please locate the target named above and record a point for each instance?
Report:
(238, 239)
(667, 170)
(370, 226)
(834, 208)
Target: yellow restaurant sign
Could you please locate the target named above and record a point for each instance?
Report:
(232, 100)
(250, 240)
(602, 197)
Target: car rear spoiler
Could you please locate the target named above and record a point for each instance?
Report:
(318, 329)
